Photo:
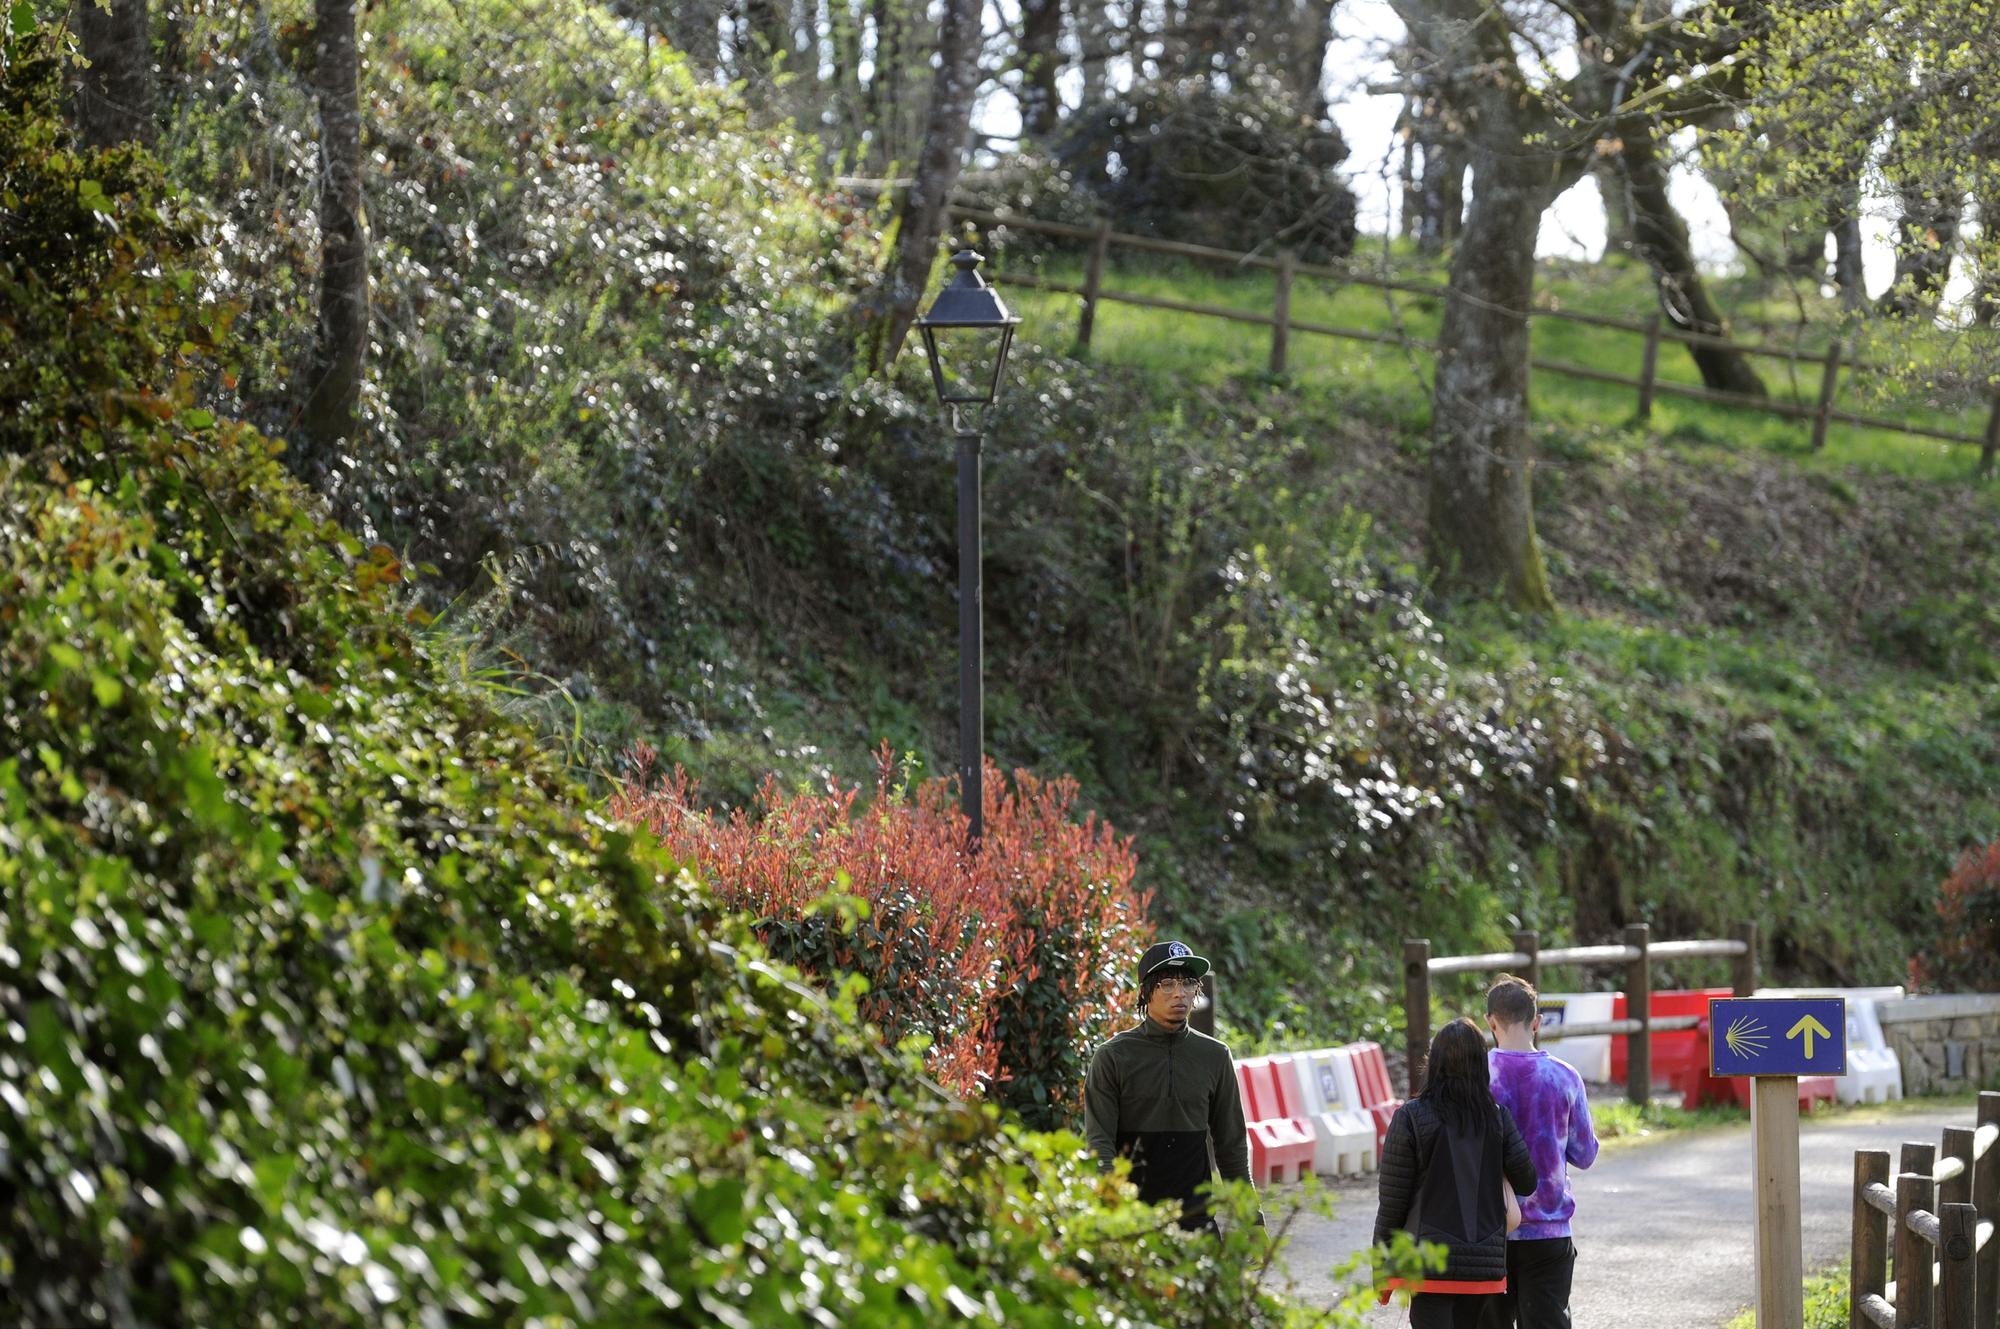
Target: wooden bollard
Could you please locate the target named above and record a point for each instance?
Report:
(1639, 1006)
(1649, 368)
(1281, 313)
(1743, 969)
(1828, 378)
(1417, 1008)
(1093, 282)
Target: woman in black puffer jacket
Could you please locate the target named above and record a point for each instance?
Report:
(1447, 1154)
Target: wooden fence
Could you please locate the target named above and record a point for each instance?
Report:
(1938, 1222)
(1636, 954)
(1287, 269)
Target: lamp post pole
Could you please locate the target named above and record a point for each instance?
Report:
(968, 317)
(971, 636)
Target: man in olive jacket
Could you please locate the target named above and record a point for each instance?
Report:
(1161, 1094)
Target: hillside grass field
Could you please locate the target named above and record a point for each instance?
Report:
(1198, 349)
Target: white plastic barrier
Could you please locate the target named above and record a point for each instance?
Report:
(1345, 1133)
(1591, 1056)
(1874, 1071)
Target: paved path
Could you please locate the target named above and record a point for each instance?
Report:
(1664, 1227)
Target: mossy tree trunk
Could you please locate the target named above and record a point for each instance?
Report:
(893, 305)
(114, 95)
(327, 419)
(1661, 237)
(1482, 519)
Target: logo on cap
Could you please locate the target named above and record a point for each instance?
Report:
(1178, 949)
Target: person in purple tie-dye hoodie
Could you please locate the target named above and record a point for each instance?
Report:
(1547, 1101)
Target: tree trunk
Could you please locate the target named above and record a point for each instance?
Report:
(1098, 38)
(1844, 224)
(1440, 136)
(1618, 236)
(328, 416)
(1305, 64)
(1482, 520)
(1926, 236)
(114, 96)
(1040, 61)
(894, 304)
(1662, 239)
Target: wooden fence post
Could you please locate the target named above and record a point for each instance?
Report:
(1987, 453)
(1827, 379)
(1869, 1236)
(1417, 1008)
(1743, 969)
(1774, 1154)
(1281, 313)
(1958, 1230)
(1914, 1191)
(1529, 943)
(1957, 1144)
(1986, 1199)
(1649, 368)
(1639, 1006)
(1093, 282)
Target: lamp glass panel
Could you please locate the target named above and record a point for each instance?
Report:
(965, 361)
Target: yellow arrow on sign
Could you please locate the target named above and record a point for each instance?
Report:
(1808, 1026)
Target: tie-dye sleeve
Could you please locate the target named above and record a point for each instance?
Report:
(1581, 1149)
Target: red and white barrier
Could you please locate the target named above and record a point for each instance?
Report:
(1343, 1134)
(1378, 1094)
(1281, 1146)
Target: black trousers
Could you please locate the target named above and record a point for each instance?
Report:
(1448, 1310)
(1538, 1280)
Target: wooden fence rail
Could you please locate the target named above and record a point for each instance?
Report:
(1636, 953)
(1286, 268)
(1937, 1223)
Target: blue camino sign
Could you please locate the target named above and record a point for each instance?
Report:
(1777, 1036)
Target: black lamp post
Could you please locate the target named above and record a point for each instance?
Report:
(967, 334)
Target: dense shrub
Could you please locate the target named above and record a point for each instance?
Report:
(1009, 965)
(1965, 957)
(320, 1001)
(1241, 169)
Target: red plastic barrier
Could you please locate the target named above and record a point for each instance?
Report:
(1279, 1144)
(1676, 1053)
(1698, 1087)
(1378, 1093)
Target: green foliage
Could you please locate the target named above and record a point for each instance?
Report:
(1241, 169)
(321, 1003)
(1826, 1300)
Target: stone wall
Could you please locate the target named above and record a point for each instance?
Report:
(1947, 1044)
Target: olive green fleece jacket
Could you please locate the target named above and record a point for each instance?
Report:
(1159, 1096)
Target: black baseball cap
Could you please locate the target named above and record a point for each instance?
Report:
(1171, 957)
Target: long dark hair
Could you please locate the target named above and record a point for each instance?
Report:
(1456, 1082)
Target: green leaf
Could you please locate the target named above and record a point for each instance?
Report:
(23, 18)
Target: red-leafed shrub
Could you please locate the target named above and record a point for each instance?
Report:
(1966, 955)
(1010, 963)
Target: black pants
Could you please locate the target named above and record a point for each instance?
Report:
(1446, 1310)
(1538, 1279)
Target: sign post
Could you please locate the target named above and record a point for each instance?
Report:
(1775, 1040)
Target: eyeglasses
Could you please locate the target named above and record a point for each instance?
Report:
(1179, 983)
